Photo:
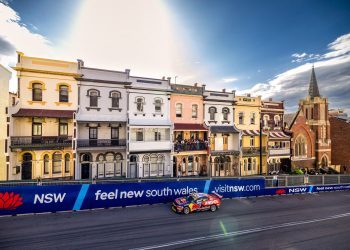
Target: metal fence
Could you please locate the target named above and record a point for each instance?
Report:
(270, 181)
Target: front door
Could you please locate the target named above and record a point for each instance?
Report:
(27, 167)
(85, 170)
(133, 167)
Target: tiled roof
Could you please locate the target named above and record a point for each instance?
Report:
(224, 129)
(189, 126)
(288, 118)
(44, 113)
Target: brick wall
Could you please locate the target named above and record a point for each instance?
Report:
(340, 136)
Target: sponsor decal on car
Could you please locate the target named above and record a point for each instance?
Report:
(10, 201)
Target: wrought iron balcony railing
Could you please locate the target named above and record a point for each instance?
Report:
(83, 143)
(46, 142)
(253, 150)
(190, 146)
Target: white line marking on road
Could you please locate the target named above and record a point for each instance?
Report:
(247, 231)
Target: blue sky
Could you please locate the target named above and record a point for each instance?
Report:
(262, 47)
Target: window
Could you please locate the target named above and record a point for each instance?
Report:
(241, 118)
(46, 164)
(252, 141)
(157, 135)
(37, 92)
(178, 110)
(249, 164)
(114, 133)
(63, 127)
(254, 164)
(300, 147)
(92, 133)
(66, 163)
(225, 112)
(266, 119)
(277, 120)
(146, 166)
(115, 96)
(212, 111)
(245, 163)
(93, 98)
(37, 127)
(158, 105)
(139, 134)
(194, 111)
(139, 104)
(252, 118)
(63, 93)
(56, 162)
(154, 165)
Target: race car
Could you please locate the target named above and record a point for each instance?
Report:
(197, 202)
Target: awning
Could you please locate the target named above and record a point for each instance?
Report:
(189, 126)
(252, 132)
(223, 129)
(44, 113)
(278, 134)
(149, 122)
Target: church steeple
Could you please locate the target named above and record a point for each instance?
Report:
(313, 88)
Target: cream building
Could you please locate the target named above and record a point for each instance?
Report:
(42, 119)
(101, 121)
(224, 135)
(5, 76)
(247, 117)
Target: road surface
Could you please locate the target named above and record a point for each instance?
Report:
(311, 221)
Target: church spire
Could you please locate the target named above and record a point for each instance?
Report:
(313, 88)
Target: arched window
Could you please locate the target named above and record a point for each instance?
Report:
(109, 157)
(56, 163)
(178, 110)
(46, 164)
(266, 120)
(225, 112)
(140, 102)
(85, 158)
(146, 166)
(254, 164)
(249, 164)
(66, 163)
(37, 94)
(212, 111)
(277, 120)
(63, 93)
(300, 147)
(158, 105)
(154, 167)
(115, 96)
(194, 110)
(93, 94)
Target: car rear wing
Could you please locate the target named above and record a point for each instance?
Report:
(217, 195)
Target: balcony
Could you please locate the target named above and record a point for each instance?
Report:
(279, 151)
(194, 146)
(93, 143)
(41, 142)
(253, 151)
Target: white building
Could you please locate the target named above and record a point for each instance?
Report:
(101, 123)
(149, 128)
(224, 136)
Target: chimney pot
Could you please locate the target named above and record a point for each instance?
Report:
(196, 84)
(248, 95)
(224, 90)
(270, 99)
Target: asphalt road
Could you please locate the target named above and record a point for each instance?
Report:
(312, 221)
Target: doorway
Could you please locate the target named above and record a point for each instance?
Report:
(27, 166)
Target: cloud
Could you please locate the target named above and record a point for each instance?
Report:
(229, 79)
(332, 72)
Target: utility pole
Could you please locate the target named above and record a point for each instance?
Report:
(260, 141)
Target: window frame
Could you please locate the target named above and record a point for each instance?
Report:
(225, 113)
(91, 129)
(212, 111)
(158, 102)
(40, 124)
(55, 161)
(46, 161)
(93, 98)
(178, 107)
(142, 104)
(66, 166)
(59, 127)
(61, 96)
(241, 118)
(115, 100)
(194, 110)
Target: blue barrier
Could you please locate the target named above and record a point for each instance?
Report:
(39, 199)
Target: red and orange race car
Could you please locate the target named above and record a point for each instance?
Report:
(197, 202)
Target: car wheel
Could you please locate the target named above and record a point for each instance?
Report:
(186, 210)
(213, 208)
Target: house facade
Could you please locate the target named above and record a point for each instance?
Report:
(190, 135)
(254, 141)
(101, 123)
(5, 76)
(41, 132)
(149, 128)
(278, 141)
(224, 137)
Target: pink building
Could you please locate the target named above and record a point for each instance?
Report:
(190, 133)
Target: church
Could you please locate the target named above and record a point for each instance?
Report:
(310, 127)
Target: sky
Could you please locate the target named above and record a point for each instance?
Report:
(264, 48)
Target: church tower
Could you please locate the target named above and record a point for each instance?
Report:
(315, 109)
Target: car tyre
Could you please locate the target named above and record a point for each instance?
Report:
(213, 208)
(186, 210)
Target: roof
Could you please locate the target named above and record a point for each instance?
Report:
(288, 118)
(278, 135)
(50, 113)
(252, 132)
(224, 129)
(313, 87)
(189, 126)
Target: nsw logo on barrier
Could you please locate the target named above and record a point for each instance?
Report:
(10, 201)
(280, 191)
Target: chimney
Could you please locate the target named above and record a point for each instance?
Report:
(80, 63)
(248, 95)
(127, 71)
(224, 90)
(169, 79)
(270, 99)
(203, 86)
(196, 84)
(163, 78)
